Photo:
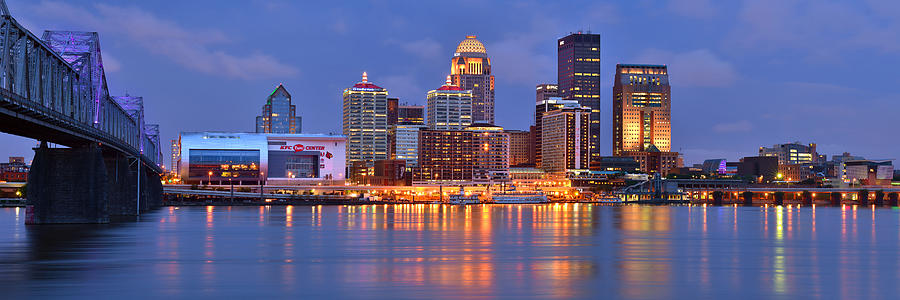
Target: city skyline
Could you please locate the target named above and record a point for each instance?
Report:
(724, 104)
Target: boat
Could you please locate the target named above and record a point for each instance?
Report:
(512, 196)
(462, 199)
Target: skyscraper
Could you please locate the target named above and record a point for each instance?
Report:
(278, 114)
(578, 77)
(449, 107)
(566, 138)
(365, 122)
(470, 69)
(542, 106)
(641, 109)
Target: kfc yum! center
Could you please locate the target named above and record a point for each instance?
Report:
(248, 158)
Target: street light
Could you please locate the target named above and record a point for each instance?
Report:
(209, 178)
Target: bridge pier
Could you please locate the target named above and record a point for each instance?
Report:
(67, 185)
(88, 185)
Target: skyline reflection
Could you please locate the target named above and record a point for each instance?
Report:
(520, 251)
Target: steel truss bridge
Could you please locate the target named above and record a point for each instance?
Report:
(54, 89)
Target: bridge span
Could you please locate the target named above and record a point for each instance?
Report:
(53, 89)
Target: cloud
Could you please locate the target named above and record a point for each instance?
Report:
(738, 126)
(692, 8)
(194, 49)
(405, 87)
(424, 48)
(110, 63)
(340, 26)
(820, 30)
(694, 68)
(518, 58)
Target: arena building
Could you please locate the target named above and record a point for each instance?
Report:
(248, 158)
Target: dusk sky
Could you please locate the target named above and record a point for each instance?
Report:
(744, 74)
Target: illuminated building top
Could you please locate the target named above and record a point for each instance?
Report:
(470, 45)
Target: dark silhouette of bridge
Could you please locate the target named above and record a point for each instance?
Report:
(53, 89)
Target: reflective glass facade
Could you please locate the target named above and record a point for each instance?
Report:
(224, 164)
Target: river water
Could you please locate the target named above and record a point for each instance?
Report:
(435, 251)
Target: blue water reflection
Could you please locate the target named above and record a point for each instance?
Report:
(440, 251)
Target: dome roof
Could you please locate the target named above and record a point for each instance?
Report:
(470, 45)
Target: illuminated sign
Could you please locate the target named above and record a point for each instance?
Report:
(300, 147)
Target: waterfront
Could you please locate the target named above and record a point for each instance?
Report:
(440, 251)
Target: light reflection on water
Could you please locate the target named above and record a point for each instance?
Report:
(439, 251)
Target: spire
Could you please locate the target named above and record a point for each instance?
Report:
(365, 77)
(448, 80)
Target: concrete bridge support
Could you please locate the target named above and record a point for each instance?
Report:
(88, 185)
(67, 185)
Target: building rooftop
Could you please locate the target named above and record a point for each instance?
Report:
(471, 45)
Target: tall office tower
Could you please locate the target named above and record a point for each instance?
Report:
(578, 77)
(566, 139)
(470, 69)
(520, 146)
(641, 108)
(176, 156)
(449, 107)
(540, 107)
(365, 122)
(278, 114)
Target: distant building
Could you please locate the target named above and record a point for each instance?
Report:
(478, 154)
(544, 91)
(365, 122)
(621, 164)
(279, 115)
(405, 143)
(870, 172)
(176, 156)
(491, 153)
(14, 171)
(715, 166)
(792, 153)
(470, 69)
(578, 76)
(411, 115)
(449, 107)
(520, 145)
(566, 139)
(388, 172)
(795, 172)
(404, 124)
(655, 161)
(641, 109)
(760, 168)
(541, 107)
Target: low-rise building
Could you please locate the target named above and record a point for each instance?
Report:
(249, 158)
